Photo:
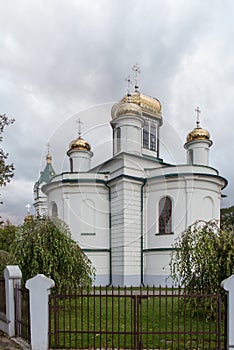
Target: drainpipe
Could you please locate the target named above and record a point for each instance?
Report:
(110, 253)
(142, 232)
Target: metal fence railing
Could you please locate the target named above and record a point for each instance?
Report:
(143, 318)
(22, 313)
(2, 296)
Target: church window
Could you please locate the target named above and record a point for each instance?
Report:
(152, 137)
(118, 136)
(146, 136)
(54, 210)
(149, 136)
(71, 165)
(190, 155)
(165, 215)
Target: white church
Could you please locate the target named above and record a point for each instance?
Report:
(127, 212)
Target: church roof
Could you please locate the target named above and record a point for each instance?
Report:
(48, 172)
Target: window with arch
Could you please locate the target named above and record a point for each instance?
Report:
(54, 210)
(118, 137)
(165, 215)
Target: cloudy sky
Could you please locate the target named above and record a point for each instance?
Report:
(64, 60)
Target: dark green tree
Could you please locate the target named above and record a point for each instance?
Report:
(7, 236)
(6, 170)
(227, 217)
(44, 245)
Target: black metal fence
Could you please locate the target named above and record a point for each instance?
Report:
(2, 296)
(22, 313)
(145, 318)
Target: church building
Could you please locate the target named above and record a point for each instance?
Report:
(127, 212)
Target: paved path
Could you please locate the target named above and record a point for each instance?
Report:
(8, 344)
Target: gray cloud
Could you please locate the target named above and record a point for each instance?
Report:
(60, 58)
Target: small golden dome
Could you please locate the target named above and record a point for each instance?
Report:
(28, 217)
(48, 158)
(149, 105)
(79, 144)
(198, 134)
(125, 108)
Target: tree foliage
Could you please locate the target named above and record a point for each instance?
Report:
(7, 236)
(6, 170)
(203, 257)
(227, 217)
(44, 245)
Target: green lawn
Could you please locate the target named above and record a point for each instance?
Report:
(130, 321)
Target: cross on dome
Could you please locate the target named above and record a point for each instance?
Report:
(129, 83)
(137, 71)
(48, 147)
(198, 112)
(79, 126)
(28, 206)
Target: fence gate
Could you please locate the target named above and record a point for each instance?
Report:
(146, 318)
(22, 313)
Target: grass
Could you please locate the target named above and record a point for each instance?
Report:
(130, 321)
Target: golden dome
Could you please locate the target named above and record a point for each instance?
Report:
(198, 134)
(79, 144)
(48, 158)
(28, 217)
(149, 105)
(125, 108)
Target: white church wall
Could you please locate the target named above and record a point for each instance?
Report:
(126, 232)
(101, 262)
(156, 268)
(85, 208)
(205, 201)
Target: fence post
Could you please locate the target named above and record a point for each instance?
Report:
(228, 285)
(12, 275)
(39, 290)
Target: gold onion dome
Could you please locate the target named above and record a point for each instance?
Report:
(79, 144)
(198, 134)
(48, 158)
(28, 217)
(125, 108)
(149, 105)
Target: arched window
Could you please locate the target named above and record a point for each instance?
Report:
(165, 215)
(54, 210)
(118, 136)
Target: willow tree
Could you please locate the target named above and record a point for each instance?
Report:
(203, 257)
(44, 245)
